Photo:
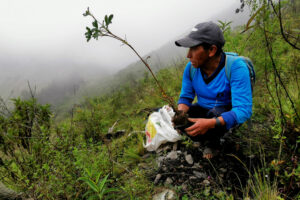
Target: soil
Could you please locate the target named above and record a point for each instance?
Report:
(180, 121)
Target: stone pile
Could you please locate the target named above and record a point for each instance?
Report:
(178, 165)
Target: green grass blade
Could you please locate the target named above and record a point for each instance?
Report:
(90, 183)
(102, 183)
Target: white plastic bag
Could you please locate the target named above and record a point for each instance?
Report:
(159, 129)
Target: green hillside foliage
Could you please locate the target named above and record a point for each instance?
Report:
(73, 157)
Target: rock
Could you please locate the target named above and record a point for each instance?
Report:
(157, 178)
(167, 194)
(147, 155)
(205, 182)
(172, 155)
(251, 156)
(196, 145)
(197, 166)
(175, 146)
(189, 159)
(164, 169)
(143, 165)
(160, 149)
(8, 194)
(192, 178)
(168, 181)
(167, 148)
(160, 160)
(200, 175)
(179, 152)
(184, 187)
(223, 170)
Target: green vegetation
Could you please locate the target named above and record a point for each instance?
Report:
(74, 159)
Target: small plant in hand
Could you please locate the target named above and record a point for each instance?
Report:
(102, 30)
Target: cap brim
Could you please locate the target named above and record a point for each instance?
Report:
(187, 42)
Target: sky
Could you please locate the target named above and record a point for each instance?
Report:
(54, 30)
(45, 39)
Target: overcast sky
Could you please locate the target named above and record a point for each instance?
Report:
(52, 31)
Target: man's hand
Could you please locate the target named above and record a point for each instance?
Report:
(201, 126)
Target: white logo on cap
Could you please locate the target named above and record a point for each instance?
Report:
(194, 29)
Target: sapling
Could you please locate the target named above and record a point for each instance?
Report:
(101, 29)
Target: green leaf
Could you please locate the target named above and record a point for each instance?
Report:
(110, 18)
(87, 12)
(88, 171)
(88, 39)
(90, 183)
(252, 18)
(93, 197)
(106, 20)
(95, 24)
(110, 190)
(87, 193)
(102, 183)
(98, 177)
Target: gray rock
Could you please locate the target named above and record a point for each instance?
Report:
(192, 178)
(168, 181)
(205, 182)
(197, 166)
(147, 155)
(164, 169)
(157, 178)
(160, 149)
(200, 174)
(189, 159)
(196, 144)
(179, 152)
(165, 195)
(175, 146)
(159, 161)
(143, 165)
(184, 187)
(172, 155)
(223, 170)
(167, 148)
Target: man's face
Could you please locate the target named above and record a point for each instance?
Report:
(198, 56)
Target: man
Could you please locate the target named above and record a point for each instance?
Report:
(222, 103)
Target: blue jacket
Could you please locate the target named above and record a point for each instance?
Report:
(217, 90)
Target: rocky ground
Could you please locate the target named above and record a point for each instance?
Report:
(181, 165)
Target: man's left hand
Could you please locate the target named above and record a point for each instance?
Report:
(201, 126)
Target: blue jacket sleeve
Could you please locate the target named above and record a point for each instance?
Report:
(241, 95)
(187, 94)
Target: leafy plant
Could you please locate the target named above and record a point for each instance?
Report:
(98, 187)
(224, 26)
(102, 30)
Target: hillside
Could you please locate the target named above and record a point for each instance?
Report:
(96, 150)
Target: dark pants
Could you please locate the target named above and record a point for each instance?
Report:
(212, 137)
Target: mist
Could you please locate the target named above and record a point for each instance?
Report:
(43, 43)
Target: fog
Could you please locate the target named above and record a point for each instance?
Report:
(43, 41)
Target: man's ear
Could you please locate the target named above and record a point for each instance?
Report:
(212, 50)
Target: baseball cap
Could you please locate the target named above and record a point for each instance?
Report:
(206, 32)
